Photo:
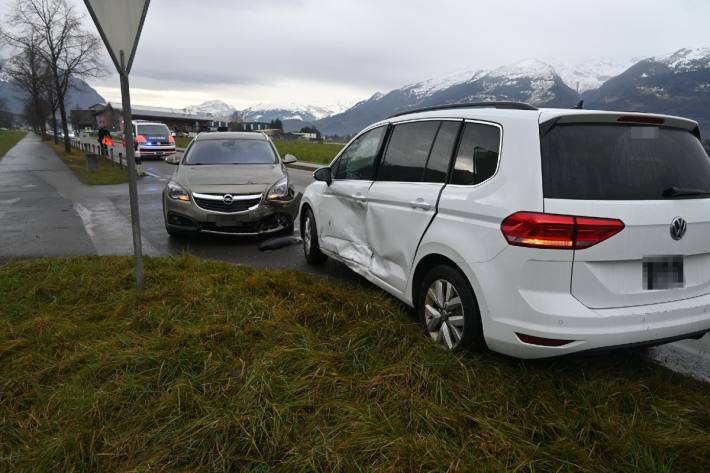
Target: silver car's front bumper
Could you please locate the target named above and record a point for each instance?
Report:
(264, 218)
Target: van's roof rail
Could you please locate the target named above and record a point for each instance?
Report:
(502, 105)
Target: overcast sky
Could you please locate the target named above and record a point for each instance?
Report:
(330, 52)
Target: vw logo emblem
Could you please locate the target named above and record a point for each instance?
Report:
(228, 199)
(678, 228)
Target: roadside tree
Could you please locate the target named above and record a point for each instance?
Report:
(68, 49)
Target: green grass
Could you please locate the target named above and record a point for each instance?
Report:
(226, 368)
(306, 151)
(182, 141)
(309, 152)
(8, 139)
(76, 161)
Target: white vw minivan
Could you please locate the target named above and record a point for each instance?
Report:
(533, 232)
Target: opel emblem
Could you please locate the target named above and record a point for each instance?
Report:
(228, 199)
(678, 228)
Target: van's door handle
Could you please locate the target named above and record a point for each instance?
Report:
(420, 204)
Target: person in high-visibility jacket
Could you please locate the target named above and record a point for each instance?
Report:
(103, 133)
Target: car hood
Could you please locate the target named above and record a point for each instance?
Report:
(231, 178)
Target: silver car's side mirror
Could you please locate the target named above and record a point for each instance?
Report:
(289, 159)
(323, 175)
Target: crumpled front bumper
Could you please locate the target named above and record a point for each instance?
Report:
(267, 217)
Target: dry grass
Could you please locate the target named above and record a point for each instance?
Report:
(224, 368)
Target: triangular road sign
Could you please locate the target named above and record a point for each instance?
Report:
(120, 23)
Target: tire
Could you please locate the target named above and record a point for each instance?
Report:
(309, 232)
(459, 324)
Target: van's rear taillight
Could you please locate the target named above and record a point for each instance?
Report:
(557, 232)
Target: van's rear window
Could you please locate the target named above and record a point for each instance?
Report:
(155, 130)
(621, 162)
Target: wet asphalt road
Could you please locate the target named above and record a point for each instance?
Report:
(46, 211)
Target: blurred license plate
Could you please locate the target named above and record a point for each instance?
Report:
(159, 153)
(227, 222)
(664, 272)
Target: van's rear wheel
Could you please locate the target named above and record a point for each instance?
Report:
(448, 310)
(311, 247)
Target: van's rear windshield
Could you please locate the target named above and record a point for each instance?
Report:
(621, 162)
(159, 130)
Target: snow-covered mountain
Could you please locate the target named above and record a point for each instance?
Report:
(215, 108)
(592, 74)
(268, 112)
(431, 86)
(676, 83)
(530, 81)
(686, 60)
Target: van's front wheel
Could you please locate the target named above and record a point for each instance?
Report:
(311, 247)
(448, 310)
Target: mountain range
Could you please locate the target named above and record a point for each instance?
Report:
(81, 95)
(676, 84)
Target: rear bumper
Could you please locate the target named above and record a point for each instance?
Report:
(602, 330)
(538, 303)
(159, 152)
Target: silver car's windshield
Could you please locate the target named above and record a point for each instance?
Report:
(230, 151)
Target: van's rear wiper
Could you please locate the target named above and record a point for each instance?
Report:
(673, 192)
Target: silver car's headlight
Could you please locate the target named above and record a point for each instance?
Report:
(177, 192)
(279, 191)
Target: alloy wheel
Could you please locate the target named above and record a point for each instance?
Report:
(307, 234)
(443, 313)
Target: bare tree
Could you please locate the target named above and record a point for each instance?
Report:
(68, 49)
(29, 71)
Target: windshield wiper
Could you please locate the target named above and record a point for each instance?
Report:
(673, 192)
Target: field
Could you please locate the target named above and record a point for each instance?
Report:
(76, 161)
(309, 152)
(8, 139)
(227, 368)
(306, 151)
(182, 141)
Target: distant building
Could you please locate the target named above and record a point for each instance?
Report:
(110, 116)
(301, 136)
(82, 118)
(252, 126)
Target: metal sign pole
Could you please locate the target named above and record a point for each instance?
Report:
(120, 25)
(132, 186)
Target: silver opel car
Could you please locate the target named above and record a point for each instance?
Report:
(230, 184)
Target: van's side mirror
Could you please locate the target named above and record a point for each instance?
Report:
(289, 159)
(323, 175)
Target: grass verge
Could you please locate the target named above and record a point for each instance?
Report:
(182, 141)
(309, 152)
(226, 368)
(306, 151)
(8, 139)
(105, 174)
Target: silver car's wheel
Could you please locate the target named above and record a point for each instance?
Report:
(444, 313)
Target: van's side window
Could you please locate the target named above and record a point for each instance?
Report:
(357, 162)
(438, 165)
(408, 151)
(477, 158)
